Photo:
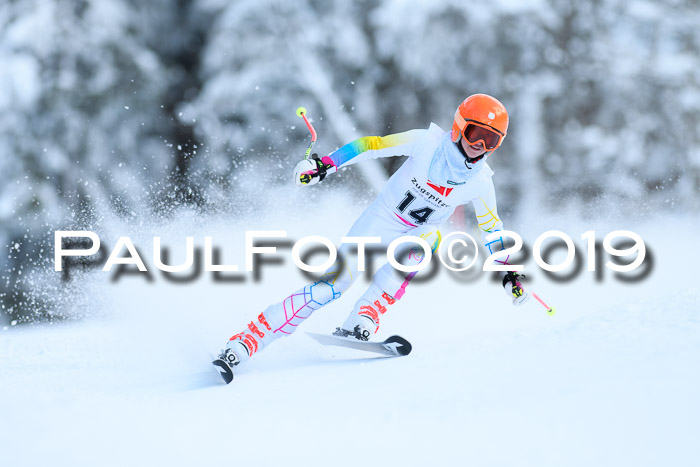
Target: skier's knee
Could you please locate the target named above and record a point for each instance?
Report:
(433, 237)
(339, 277)
(395, 282)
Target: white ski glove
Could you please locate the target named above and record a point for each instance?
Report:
(514, 289)
(311, 171)
(305, 173)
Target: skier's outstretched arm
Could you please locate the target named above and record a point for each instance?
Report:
(312, 171)
(489, 222)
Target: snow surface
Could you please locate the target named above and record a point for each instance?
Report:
(611, 379)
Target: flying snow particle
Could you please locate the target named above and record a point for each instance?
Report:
(126, 107)
(492, 115)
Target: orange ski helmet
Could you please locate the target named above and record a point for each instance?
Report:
(481, 118)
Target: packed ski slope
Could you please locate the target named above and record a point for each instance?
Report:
(611, 379)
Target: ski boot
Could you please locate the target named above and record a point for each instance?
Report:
(225, 362)
(359, 332)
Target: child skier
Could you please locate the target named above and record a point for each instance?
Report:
(445, 169)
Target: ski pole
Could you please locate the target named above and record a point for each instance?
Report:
(550, 310)
(301, 112)
(323, 169)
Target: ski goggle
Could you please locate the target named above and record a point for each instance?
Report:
(475, 132)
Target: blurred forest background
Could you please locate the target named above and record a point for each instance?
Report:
(131, 109)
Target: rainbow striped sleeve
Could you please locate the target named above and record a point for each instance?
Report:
(372, 147)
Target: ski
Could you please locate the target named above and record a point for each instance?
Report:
(223, 369)
(394, 346)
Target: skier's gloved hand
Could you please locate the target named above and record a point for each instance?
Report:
(305, 173)
(514, 289)
(311, 171)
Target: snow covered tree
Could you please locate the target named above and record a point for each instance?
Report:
(86, 125)
(124, 108)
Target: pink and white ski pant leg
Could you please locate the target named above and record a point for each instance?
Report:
(284, 317)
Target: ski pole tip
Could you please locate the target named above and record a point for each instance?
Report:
(301, 111)
(551, 311)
